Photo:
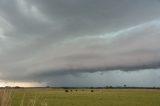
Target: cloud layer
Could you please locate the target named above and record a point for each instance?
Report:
(41, 39)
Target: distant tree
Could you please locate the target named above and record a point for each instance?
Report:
(110, 86)
(17, 87)
(91, 87)
(7, 87)
(106, 86)
(47, 86)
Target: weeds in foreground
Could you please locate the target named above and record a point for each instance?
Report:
(6, 97)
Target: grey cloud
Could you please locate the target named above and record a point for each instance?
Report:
(94, 17)
(130, 49)
(57, 37)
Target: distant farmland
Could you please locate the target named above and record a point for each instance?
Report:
(81, 97)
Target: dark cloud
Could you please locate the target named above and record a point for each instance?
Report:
(40, 39)
(94, 17)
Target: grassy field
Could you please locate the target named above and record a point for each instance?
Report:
(58, 97)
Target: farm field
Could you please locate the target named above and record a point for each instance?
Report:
(84, 97)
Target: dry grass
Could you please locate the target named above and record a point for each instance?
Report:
(58, 97)
(6, 97)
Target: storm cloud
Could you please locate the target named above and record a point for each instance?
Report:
(44, 39)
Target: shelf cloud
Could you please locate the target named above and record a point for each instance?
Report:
(54, 38)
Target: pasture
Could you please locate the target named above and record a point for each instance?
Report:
(81, 97)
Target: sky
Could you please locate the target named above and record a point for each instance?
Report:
(79, 43)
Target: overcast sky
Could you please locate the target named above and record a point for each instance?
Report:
(80, 42)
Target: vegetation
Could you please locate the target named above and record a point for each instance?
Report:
(79, 97)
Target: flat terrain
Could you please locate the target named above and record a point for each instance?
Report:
(84, 97)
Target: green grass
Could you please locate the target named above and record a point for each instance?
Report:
(108, 97)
